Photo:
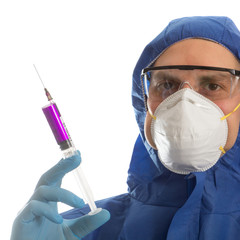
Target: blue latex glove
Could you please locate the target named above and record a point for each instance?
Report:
(40, 220)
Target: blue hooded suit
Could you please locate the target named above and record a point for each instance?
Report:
(161, 204)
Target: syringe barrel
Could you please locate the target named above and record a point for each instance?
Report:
(57, 126)
(85, 189)
(82, 181)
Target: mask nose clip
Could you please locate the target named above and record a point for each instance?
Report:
(182, 85)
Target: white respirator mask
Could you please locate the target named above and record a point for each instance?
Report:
(189, 131)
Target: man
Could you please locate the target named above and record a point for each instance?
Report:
(185, 173)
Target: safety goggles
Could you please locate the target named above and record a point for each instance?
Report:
(214, 83)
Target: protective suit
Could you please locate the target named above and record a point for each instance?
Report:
(161, 204)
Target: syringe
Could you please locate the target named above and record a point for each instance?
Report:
(67, 147)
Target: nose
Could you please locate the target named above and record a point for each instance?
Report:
(185, 85)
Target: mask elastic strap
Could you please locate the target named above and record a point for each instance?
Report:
(222, 149)
(151, 114)
(223, 118)
(235, 109)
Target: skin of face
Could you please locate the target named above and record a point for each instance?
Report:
(204, 53)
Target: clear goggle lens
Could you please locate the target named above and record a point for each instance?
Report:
(214, 85)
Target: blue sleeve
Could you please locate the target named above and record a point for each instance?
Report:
(220, 226)
(117, 206)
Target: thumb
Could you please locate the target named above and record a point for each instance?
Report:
(82, 226)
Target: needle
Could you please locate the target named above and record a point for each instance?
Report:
(49, 97)
(38, 75)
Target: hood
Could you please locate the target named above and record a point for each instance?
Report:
(145, 165)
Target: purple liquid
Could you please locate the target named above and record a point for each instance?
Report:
(54, 120)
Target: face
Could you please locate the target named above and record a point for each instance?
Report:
(203, 53)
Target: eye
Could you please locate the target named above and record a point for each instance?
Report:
(212, 86)
(168, 85)
(165, 85)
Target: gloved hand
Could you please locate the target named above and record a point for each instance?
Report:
(40, 220)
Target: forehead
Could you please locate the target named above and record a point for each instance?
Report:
(198, 52)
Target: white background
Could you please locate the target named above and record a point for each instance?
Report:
(85, 52)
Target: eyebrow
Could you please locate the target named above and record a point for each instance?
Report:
(216, 75)
(167, 75)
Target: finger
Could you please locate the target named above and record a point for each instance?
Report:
(82, 226)
(57, 172)
(36, 209)
(55, 194)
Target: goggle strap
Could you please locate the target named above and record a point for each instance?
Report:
(144, 95)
